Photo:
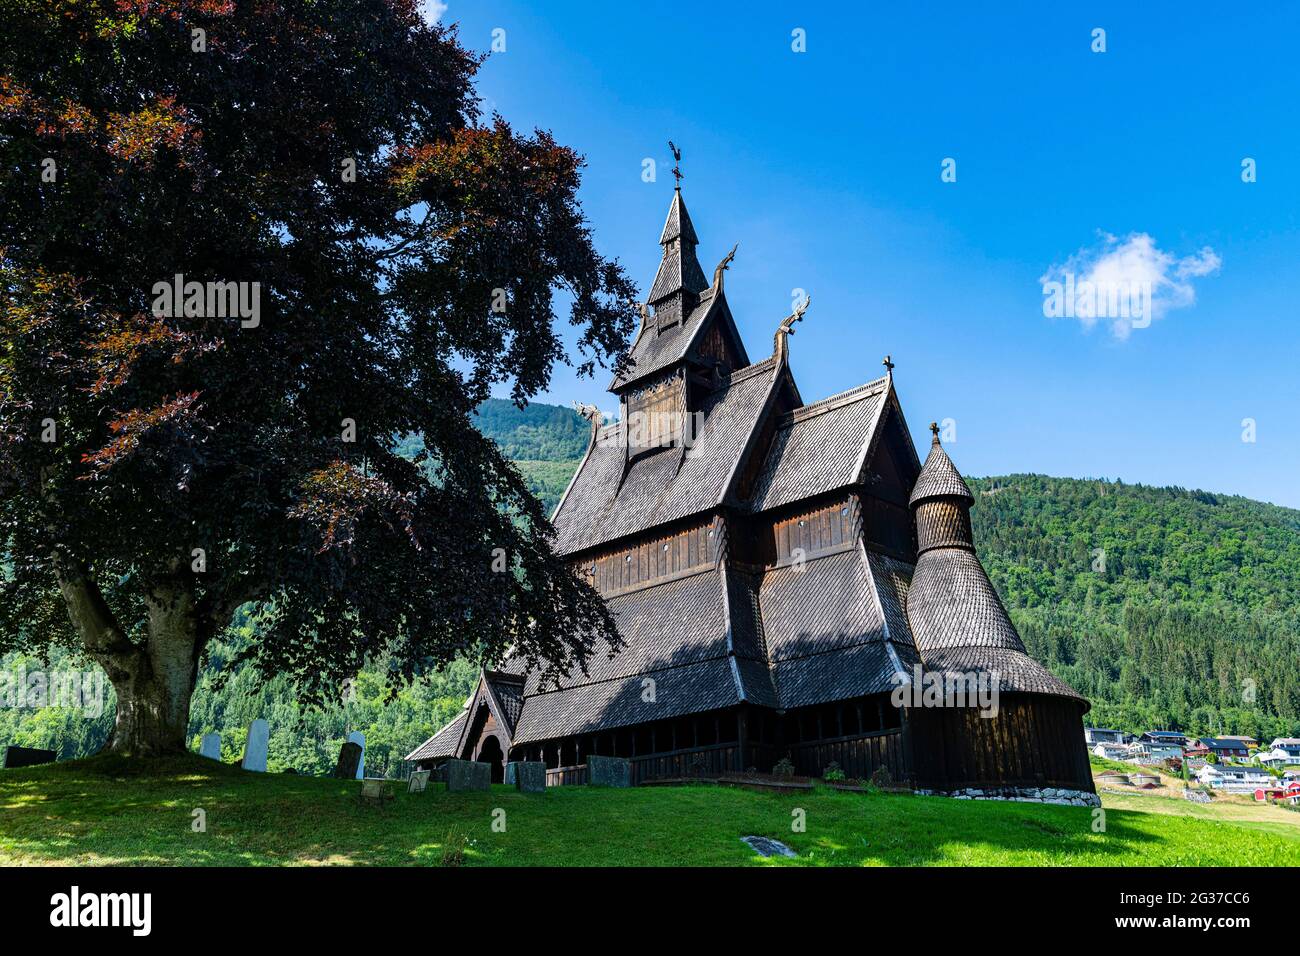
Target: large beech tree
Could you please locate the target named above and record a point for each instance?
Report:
(159, 471)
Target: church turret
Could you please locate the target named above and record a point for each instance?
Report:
(941, 500)
(961, 629)
(952, 602)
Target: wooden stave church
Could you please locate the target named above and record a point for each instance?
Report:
(771, 566)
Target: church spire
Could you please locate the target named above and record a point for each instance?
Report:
(679, 275)
(680, 279)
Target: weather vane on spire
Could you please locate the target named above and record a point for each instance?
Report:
(677, 160)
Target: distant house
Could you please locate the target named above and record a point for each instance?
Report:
(1234, 779)
(1112, 751)
(1101, 735)
(1225, 748)
(1150, 754)
(1167, 737)
(1282, 752)
(1250, 743)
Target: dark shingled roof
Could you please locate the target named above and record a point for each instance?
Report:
(1017, 672)
(441, 744)
(939, 478)
(664, 485)
(820, 447)
(678, 224)
(835, 628)
(665, 625)
(838, 675)
(707, 685)
(509, 692)
(952, 603)
(656, 349)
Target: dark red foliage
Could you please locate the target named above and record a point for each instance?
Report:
(376, 306)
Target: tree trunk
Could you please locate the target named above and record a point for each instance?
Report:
(154, 684)
(153, 680)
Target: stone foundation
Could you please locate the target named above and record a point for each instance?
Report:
(1062, 796)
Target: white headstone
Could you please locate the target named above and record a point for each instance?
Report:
(259, 735)
(358, 738)
(211, 746)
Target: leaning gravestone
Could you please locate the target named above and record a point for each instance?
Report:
(358, 738)
(609, 771)
(349, 760)
(528, 776)
(28, 756)
(468, 775)
(259, 736)
(210, 746)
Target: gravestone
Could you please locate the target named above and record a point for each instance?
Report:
(766, 846)
(259, 737)
(609, 771)
(211, 746)
(28, 756)
(419, 780)
(527, 776)
(349, 760)
(358, 738)
(468, 775)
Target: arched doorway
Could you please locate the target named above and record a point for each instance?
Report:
(490, 753)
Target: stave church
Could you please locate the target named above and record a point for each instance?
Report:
(790, 582)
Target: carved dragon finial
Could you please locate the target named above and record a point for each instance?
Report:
(723, 266)
(786, 328)
(642, 310)
(592, 414)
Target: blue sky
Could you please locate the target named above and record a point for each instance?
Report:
(825, 166)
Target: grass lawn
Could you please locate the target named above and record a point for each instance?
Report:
(107, 811)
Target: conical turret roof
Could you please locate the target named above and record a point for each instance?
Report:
(939, 477)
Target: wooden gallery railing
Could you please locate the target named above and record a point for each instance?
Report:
(693, 762)
(859, 757)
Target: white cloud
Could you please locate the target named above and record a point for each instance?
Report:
(1126, 282)
(432, 11)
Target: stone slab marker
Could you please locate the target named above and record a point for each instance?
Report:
(528, 776)
(349, 760)
(210, 746)
(255, 747)
(609, 771)
(468, 775)
(358, 738)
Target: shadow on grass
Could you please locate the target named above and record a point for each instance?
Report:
(106, 810)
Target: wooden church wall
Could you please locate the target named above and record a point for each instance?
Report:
(810, 531)
(660, 557)
(1033, 741)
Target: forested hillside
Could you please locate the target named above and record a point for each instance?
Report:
(1165, 607)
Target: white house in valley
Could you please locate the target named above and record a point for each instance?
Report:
(1282, 752)
(1234, 779)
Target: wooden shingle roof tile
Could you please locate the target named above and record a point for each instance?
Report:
(664, 485)
(819, 447)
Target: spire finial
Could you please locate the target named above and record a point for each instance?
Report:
(934, 430)
(677, 161)
(889, 365)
